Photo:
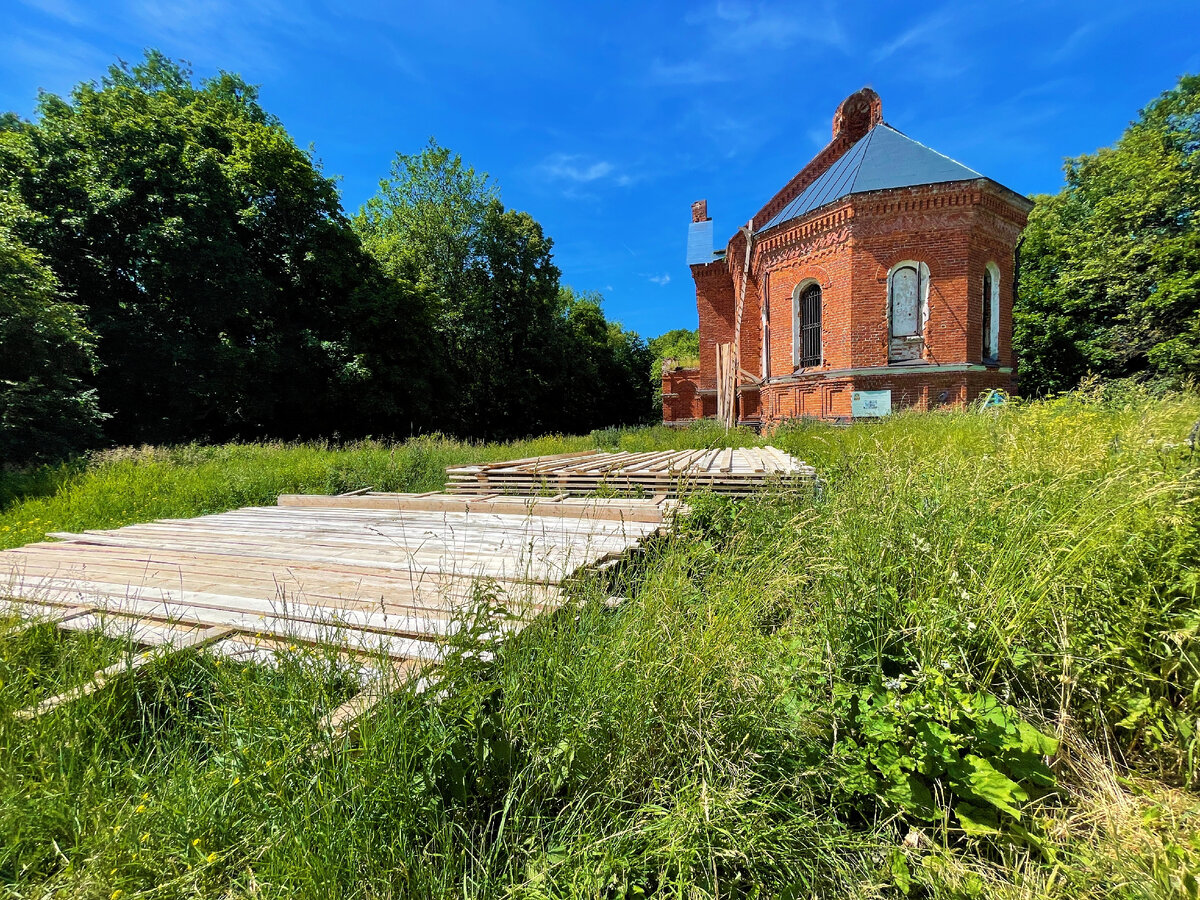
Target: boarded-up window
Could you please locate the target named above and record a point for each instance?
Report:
(991, 313)
(907, 290)
(906, 302)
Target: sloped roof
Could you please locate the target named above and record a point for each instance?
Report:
(883, 158)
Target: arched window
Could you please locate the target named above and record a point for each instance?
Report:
(806, 316)
(991, 313)
(908, 295)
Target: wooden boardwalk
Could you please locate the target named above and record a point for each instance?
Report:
(725, 470)
(383, 574)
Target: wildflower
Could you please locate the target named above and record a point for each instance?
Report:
(212, 857)
(141, 808)
(893, 684)
(237, 781)
(145, 837)
(117, 894)
(946, 665)
(196, 842)
(971, 626)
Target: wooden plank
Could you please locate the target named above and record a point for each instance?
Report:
(289, 630)
(392, 602)
(535, 507)
(403, 586)
(55, 617)
(189, 641)
(550, 566)
(247, 613)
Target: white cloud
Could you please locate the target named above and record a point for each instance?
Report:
(63, 10)
(693, 71)
(578, 169)
(662, 279)
(744, 27)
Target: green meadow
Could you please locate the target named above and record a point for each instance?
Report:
(965, 663)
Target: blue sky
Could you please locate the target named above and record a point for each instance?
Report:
(605, 121)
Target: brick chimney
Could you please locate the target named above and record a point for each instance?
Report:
(700, 211)
(857, 114)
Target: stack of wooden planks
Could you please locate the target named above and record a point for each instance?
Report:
(378, 575)
(737, 471)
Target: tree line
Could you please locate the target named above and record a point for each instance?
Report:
(174, 268)
(1109, 267)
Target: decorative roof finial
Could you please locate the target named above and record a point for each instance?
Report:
(857, 114)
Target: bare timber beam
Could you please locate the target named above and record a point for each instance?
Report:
(191, 641)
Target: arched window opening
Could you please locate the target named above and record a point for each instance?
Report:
(807, 316)
(991, 313)
(908, 290)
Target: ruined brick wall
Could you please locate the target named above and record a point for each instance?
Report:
(682, 400)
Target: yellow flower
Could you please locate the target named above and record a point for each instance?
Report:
(145, 837)
(236, 782)
(117, 894)
(212, 857)
(141, 808)
(196, 842)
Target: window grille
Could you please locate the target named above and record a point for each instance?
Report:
(810, 326)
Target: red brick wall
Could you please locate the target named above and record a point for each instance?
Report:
(828, 396)
(682, 400)
(954, 229)
(714, 303)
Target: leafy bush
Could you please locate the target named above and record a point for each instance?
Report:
(937, 754)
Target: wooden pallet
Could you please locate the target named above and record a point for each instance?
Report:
(738, 471)
(385, 575)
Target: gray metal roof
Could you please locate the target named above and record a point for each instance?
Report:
(883, 158)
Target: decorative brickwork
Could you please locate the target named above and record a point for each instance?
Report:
(949, 231)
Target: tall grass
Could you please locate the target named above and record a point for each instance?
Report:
(729, 730)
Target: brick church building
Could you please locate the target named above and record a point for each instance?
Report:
(880, 277)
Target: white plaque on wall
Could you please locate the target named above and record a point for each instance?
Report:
(866, 404)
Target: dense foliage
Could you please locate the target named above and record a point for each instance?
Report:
(228, 294)
(924, 677)
(210, 257)
(679, 344)
(519, 353)
(45, 409)
(1109, 277)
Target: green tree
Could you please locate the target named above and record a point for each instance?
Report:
(1109, 277)
(605, 368)
(46, 412)
(216, 268)
(679, 344)
(427, 218)
(518, 355)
